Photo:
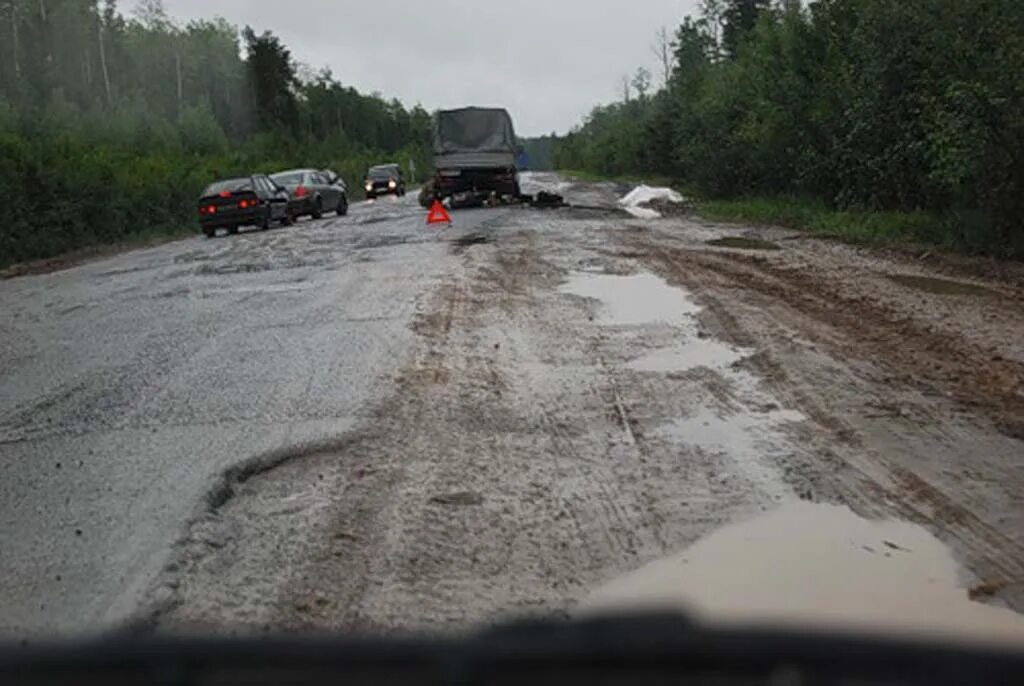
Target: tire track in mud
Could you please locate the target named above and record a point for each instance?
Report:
(869, 481)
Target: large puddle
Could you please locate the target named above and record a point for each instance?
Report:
(632, 300)
(816, 565)
(647, 299)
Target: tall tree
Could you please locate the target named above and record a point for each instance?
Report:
(739, 18)
(712, 14)
(272, 77)
(641, 83)
(662, 50)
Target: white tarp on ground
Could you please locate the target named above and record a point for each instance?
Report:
(641, 195)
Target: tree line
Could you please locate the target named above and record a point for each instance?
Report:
(111, 123)
(873, 105)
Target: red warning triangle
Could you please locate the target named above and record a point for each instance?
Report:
(438, 215)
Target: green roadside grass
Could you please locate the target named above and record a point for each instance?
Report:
(871, 228)
(888, 229)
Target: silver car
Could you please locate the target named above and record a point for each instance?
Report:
(314, 192)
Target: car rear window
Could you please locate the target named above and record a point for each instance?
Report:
(289, 179)
(230, 186)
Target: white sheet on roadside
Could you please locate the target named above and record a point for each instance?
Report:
(641, 195)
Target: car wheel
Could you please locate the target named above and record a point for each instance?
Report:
(265, 223)
(318, 209)
(232, 230)
(343, 206)
(209, 233)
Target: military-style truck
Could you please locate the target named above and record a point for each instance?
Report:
(475, 154)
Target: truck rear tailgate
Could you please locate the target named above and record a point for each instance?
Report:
(475, 160)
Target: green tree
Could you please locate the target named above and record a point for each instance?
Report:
(272, 78)
(738, 18)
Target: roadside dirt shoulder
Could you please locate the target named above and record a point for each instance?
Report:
(915, 379)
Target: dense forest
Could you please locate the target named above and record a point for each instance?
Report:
(111, 124)
(912, 106)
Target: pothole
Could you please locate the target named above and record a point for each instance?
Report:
(930, 284)
(463, 242)
(743, 243)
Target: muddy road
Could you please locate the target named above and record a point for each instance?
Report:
(363, 423)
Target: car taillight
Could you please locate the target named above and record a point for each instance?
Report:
(300, 192)
(225, 194)
(248, 203)
(209, 209)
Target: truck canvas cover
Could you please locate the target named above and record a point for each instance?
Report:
(474, 137)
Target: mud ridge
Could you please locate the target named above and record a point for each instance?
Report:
(939, 361)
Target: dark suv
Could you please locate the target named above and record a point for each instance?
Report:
(384, 179)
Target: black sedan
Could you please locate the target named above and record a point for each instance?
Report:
(247, 201)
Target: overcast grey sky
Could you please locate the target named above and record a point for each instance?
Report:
(548, 61)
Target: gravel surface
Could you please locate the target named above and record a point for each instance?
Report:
(363, 423)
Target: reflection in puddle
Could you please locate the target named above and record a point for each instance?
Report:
(816, 565)
(698, 352)
(632, 300)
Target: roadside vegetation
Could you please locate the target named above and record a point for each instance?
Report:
(111, 125)
(869, 119)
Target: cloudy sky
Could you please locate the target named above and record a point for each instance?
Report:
(548, 61)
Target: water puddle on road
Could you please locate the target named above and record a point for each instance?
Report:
(816, 565)
(647, 299)
(694, 353)
(632, 300)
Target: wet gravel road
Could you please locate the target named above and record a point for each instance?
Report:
(361, 422)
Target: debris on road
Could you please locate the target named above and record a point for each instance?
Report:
(546, 200)
(637, 202)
